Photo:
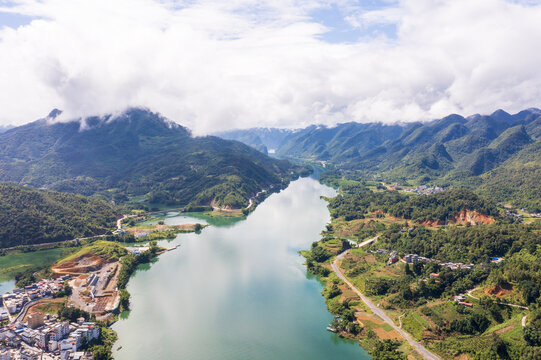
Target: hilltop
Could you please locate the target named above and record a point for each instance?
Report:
(137, 153)
(499, 151)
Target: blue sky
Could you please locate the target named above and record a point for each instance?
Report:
(334, 18)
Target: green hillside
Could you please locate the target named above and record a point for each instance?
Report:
(38, 216)
(138, 153)
(493, 154)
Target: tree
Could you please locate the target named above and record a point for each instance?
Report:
(387, 350)
(532, 335)
(124, 299)
(407, 270)
(101, 352)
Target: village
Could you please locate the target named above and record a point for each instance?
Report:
(31, 335)
(87, 282)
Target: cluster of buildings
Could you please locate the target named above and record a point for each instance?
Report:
(461, 299)
(14, 301)
(44, 337)
(511, 214)
(425, 190)
(137, 250)
(120, 232)
(410, 258)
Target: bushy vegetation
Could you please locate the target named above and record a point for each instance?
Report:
(72, 314)
(472, 244)
(442, 206)
(105, 249)
(387, 350)
(38, 216)
(356, 201)
(130, 262)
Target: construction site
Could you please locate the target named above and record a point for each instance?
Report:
(94, 283)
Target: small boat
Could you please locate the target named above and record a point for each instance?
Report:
(118, 348)
(331, 329)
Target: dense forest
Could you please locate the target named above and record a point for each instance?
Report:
(498, 155)
(31, 216)
(355, 201)
(467, 244)
(138, 153)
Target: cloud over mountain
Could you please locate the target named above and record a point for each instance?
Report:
(214, 65)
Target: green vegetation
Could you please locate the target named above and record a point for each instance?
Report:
(105, 249)
(138, 153)
(124, 299)
(130, 263)
(49, 308)
(37, 216)
(442, 206)
(422, 294)
(387, 350)
(14, 262)
(357, 201)
(463, 244)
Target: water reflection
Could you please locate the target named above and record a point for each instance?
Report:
(238, 292)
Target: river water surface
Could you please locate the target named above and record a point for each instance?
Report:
(238, 291)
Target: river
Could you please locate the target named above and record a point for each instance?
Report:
(237, 291)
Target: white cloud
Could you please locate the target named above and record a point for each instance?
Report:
(213, 65)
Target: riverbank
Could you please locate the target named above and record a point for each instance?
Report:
(420, 275)
(356, 317)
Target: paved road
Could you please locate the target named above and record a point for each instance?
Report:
(523, 322)
(27, 306)
(418, 347)
(366, 242)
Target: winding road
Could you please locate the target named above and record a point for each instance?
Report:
(27, 306)
(469, 293)
(417, 346)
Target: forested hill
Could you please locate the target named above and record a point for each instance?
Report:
(498, 154)
(137, 153)
(31, 216)
(266, 140)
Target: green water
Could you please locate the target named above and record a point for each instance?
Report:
(176, 218)
(237, 292)
(16, 262)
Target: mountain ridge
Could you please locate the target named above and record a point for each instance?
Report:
(137, 153)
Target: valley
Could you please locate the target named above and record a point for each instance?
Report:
(413, 260)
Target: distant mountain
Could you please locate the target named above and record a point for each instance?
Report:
(30, 216)
(478, 151)
(3, 129)
(137, 153)
(263, 139)
(317, 142)
(341, 143)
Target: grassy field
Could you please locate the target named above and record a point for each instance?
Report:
(201, 217)
(50, 307)
(105, 249)
(414, 324)
(15, 262)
